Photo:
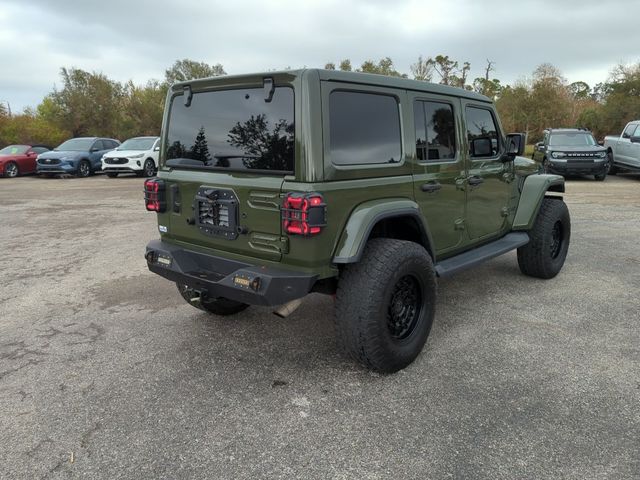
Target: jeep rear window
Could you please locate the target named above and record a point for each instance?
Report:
(364, 128)
(233, 130)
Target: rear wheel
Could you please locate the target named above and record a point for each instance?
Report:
(84, 169)
(544, 255)
(218, 306)
(385, 304)
(11, 170)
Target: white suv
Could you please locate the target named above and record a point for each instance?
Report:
(137, 155)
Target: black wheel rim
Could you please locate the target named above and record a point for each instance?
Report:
(12, 170)
(148, 168)
(405, 307)
(556, 239)
(84, 169)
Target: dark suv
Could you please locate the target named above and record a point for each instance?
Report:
(571, 151)
(274, 185)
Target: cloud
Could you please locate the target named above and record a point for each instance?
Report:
(139, 39)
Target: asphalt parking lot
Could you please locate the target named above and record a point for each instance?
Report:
(105, 372)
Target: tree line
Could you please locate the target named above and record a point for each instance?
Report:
(90, 103)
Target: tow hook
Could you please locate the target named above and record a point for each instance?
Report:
(150, 256)
(288, 308)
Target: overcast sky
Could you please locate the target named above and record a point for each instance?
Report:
(138, 40)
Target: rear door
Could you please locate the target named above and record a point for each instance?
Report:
(226, 154)
(439, 171)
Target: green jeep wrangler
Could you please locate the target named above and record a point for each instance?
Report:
(365, 187)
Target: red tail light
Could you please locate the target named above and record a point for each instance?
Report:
(155, 195)
(303, 214)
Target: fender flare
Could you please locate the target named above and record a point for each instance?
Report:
(534, 189)
(365, 216)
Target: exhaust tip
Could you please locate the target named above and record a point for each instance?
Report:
(283, 311)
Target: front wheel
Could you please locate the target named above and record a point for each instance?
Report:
(218, 306)
(600, 177)
(149, 168)
(544, 255)
(612, 170)
(11, 170)
(385, 304)
(84, 169)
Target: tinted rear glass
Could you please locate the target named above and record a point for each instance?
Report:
(234, 129)
(364, 128)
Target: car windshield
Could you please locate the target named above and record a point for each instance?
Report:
(571, 139)
(76, 145)
(14, 150)
(234, 130)
(139, 143)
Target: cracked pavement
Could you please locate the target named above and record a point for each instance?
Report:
(105, 372)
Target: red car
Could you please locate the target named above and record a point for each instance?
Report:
(19, 159)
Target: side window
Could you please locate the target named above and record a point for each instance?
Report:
(98, 145)
(435, 131)
(109, 144)
(40, 149)
(364, 128)
(629, 130)
(482, 133)
(637, 131)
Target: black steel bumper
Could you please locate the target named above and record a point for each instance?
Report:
(221, 277)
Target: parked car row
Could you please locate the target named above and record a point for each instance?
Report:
(82, 157)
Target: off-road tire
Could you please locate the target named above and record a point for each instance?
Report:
(112, 174)
(612, 168)
(84, 169)
(11, 170)
(218, 306)
(367, 302)
(544, 255)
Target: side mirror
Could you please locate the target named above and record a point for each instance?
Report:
(156, 149)
(481, 147)
(540, 145)
(635, 139)
(93, 149)
(516, 143)
(31, 153)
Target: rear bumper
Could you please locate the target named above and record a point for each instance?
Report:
(221, 277)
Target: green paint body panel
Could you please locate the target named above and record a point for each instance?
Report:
(533, 191)
(455, 219)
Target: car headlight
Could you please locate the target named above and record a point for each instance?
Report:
(103, 157)
(558, 154)
(601, 154)
(140, 155)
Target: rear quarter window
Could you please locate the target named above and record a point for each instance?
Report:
(364, 128)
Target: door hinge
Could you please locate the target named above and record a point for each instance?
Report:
(504, 211)
(459, 224)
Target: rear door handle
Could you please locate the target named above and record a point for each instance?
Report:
(475, 180)
(430, 187)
